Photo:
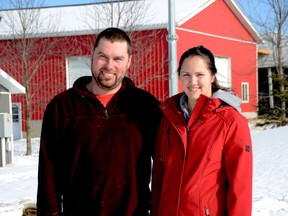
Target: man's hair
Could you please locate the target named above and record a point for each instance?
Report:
(114, 34)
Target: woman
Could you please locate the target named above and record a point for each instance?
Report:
(203, 159)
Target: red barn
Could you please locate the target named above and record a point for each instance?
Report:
(217, 24)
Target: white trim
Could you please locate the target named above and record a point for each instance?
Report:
(215, 36)
(223, 75)
(67, 71)
(77, 66)
(204, 5)
(244, 20)
(11, 84)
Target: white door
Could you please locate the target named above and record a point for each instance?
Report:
(17, 121)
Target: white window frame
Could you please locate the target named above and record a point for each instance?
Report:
(245, 92)
(77, 66)
(223, 65)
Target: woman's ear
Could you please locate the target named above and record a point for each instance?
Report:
(213, 78)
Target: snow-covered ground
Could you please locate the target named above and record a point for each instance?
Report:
(18, 182)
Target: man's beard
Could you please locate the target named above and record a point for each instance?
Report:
(102, 84)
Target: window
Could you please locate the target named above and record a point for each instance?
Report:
(15, 113)
(77, 66)
(223, 74)
(245, 91)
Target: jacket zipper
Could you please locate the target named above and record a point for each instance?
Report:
(188, 135)
(106, 114)
(207, 211)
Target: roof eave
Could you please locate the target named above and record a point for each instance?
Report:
(85, 32)
(244, 20)
(11, 84)
(264, 51)
(201, 8)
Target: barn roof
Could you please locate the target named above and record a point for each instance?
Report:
(77, 19)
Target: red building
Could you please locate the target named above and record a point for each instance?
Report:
(219, 25)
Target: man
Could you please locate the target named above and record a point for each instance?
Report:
(97, 139)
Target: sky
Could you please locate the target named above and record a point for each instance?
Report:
(18, 182)
(71, 2)
(244, 4)
(252, 9)
(66, 2)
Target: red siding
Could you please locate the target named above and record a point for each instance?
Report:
(228, 38)
(149, 68)
(223, 34)
(218, 19)
(150, 62)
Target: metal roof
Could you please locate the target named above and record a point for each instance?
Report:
(78, 19)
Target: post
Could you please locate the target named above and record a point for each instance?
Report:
(3, 152)
(270, 84)
(172, 39)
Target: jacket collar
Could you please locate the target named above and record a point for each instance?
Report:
(80, 85)
(202, 111)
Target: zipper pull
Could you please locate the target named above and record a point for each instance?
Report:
(106, 114)
(188, 132)
(207, 211)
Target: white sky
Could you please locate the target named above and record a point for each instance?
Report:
(244, 4)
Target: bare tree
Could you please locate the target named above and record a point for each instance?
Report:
(117, 13)
(271, 19)
(28, 52)
(24, 52)
(130, 15)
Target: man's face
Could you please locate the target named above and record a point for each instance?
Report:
(110, 63)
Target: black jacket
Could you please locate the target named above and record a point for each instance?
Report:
(96, 160)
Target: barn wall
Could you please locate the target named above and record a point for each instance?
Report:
(218, 29)
(148, 70)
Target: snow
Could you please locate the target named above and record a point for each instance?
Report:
(18, 182)
(270, 192)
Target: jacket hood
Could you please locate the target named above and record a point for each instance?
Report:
(229, 98)
(217, 99)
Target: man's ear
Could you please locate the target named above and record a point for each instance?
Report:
(129, 61)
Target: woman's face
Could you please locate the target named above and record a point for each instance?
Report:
(196, 78)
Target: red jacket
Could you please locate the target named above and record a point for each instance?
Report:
(203, 167)
(96, 160)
